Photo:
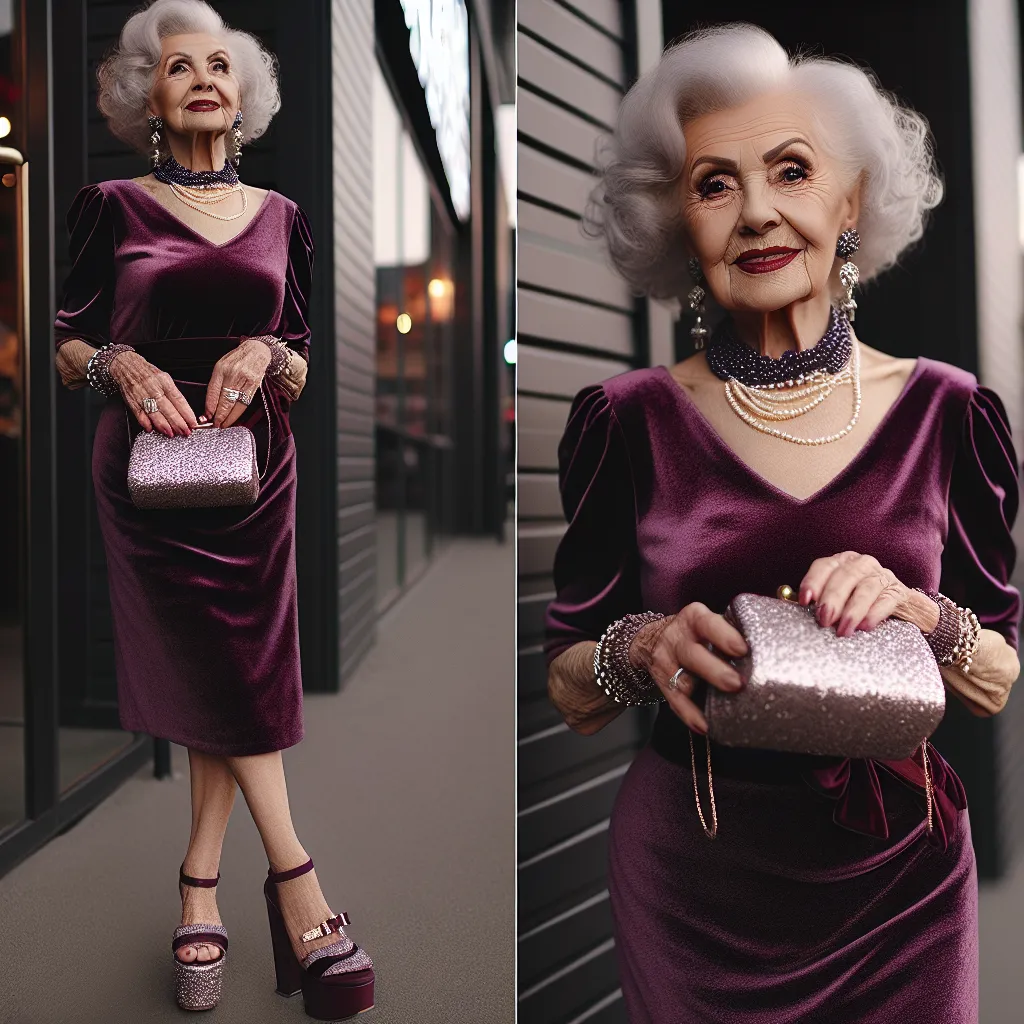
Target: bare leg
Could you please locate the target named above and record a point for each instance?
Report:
(261, 779)
(213, 795)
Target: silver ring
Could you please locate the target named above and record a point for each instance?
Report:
(244, 398)
(149, 405)
(233, 394)
(673, 683)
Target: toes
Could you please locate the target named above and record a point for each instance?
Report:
(187, 954)
(205, 953)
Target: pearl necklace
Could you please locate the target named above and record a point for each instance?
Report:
(851, 372)
(196, 202)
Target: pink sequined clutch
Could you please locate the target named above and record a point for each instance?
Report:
(877, 694)
(213, 466)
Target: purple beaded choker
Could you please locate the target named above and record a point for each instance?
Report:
(729, 358)
(171, 172)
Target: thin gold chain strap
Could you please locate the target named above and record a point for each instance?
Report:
(711, 789)
(929, 788)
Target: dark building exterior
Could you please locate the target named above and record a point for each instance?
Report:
(399, 432)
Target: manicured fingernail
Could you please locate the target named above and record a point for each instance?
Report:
(702, 727)
(805, 595)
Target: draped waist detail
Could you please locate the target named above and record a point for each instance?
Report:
(183, 355)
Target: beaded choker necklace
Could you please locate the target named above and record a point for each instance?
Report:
(729, 358)
(173, 173)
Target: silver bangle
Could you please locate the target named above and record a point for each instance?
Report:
(97, 369)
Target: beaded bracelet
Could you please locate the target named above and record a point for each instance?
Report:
(613, 671)
(278, 354)
(97, 370)
(956, 638)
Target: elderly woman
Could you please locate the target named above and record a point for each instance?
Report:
(187, 301)
(866, 481)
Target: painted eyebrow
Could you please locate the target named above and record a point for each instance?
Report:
(730, 165)
(188, 56)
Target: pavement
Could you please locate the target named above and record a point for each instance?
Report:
(403, 792)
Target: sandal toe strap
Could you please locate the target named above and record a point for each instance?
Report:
(332, 960)
(198, 935)
(328, 927)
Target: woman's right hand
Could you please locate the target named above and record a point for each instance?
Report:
(680, 641)
(139, 379)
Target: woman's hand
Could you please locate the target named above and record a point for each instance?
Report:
(680, 642)
(855, 591)
(139, 379)
(242, 368)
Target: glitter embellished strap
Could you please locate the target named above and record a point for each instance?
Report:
(328, 927)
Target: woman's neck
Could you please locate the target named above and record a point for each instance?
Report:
(798, 326)
(203, 151)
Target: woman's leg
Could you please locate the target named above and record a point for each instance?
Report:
(213, 795)
(261, 779)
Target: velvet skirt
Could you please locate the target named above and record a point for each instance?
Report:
(786, 916)
(203, 601)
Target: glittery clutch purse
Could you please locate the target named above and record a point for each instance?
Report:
(877, 694)
(213, 466)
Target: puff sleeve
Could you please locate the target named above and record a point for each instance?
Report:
(89, 288)
(979, 555)
(596, 569)
(294, 324)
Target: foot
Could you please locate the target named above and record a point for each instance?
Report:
(198, 906)
(303, 907)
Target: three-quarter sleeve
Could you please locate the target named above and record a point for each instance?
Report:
(294, 325)
(89, 288)
(979, 555)
(596, 569)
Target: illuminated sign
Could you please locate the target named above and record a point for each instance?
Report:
(439, 44)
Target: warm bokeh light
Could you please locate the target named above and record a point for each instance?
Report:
(442, 298)
(9, 180)
(5, 127)
(436, 288)
(404, 323)
(510, 351)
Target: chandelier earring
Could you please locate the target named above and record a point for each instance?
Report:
(236, 132)
(695, 297)
(849, 274)
(155, 124)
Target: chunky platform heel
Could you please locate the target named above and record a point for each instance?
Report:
(336, 981)
(198, 984)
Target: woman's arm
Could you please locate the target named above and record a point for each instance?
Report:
(72, 360)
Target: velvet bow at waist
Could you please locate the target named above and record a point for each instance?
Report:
(854, 784)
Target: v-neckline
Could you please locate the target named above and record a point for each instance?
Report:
(188, 227)
(717, 439)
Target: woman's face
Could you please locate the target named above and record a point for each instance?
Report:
(195, 88)
(763, 203)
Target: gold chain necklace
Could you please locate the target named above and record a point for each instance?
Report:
(743, 397)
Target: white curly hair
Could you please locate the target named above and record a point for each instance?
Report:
(636, 207)
(126, 74)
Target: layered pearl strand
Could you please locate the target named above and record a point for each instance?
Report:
(759, 394)
(824, 384)
(198, 198)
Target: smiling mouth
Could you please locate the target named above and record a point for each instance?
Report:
(202, 105)
(767, 260)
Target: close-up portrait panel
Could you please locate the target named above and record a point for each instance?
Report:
(257, 578)
(770, 396)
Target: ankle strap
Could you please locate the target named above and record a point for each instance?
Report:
(199, 883)
(285, 876)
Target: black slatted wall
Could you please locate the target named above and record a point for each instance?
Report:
(577, 324)
(355, 285)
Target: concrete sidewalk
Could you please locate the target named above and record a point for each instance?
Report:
(403, 793)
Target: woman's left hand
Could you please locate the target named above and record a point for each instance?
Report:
(242, 368)
(853, 591)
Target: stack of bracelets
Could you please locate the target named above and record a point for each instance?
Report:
(97, 370)
(954, 641)
(615, 675)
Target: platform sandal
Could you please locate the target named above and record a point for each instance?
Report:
(197, 985)
(336, 981)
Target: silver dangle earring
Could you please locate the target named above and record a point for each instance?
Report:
(695, 297)
(849, 275)
(236, 131)
(155, 124)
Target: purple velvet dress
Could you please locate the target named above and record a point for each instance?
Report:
(203, 601)
(822, 898)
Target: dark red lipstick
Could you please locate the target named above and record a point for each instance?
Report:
(764, 261)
